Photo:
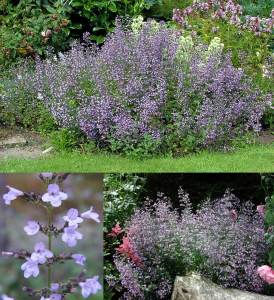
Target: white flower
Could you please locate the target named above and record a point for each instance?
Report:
(54, 195)
(32, 228)
(90, 214)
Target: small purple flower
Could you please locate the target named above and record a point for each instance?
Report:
(70, 236)
(5, 297)
(54, 195)
(72, 217)
(11, 195)
(90, 287)
(54, 287)
(41, 253)
(90, 214)
(32, 228)
(30, 268)
(79, 258)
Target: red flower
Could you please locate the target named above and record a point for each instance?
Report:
(116, 230)
(127, 249)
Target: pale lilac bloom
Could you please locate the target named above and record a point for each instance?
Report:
(72, 217)
(55, 297)
(79, 258)
(41, 253)
(54, 287)
(11, 195)
(32, 228)
(30, 268)
(90, 287)
(90, 214)
(47, 176)
(43, 298)
(70, 236)
(5, 297)
(54, 195)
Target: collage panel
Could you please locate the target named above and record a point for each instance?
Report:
(188, 236)
(136, 86)
(51, 228)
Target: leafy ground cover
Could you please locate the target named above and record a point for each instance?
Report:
(257, 158)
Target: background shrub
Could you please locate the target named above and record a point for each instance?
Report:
(215, 241)
(33, 27)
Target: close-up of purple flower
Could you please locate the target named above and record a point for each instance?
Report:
(72, 217)
(41, 253)
(12, 195)
(50, 253)
(30, 268)
(90, 287)
(79, 259)
(54, 195)
(71, 235)
(32, 227)
(90, 214)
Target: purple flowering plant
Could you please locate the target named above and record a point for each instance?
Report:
(223, 240)
(149, 87)
(42, 255)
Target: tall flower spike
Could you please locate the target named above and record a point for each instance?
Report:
(54, 195)
(32, 228)
(90, 287)
(70, 236)
(90, 214)
(11, 195)
(72, 217)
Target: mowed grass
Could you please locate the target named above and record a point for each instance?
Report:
(255, 158)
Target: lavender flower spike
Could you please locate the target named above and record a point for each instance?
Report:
(11, 195)
(30, 268)
(72, 217)
(79, 258)
(32, 228)
(90, 287)
(90, 214)
(54, 195)
(5, 297)
(70, 236)
(41, 253)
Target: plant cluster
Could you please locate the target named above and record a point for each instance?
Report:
(43, 256)
(149, 88)
(223, 240)
(229, 11)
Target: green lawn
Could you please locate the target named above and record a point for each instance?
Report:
(256, 158)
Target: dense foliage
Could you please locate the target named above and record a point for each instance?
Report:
(161, 243)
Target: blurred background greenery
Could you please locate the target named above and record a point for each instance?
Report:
(84, 190)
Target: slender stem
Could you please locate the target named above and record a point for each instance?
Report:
(49, 242)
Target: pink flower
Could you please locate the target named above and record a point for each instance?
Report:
(266, 273)
(116, 230)
(234, 215)
(261, 210)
